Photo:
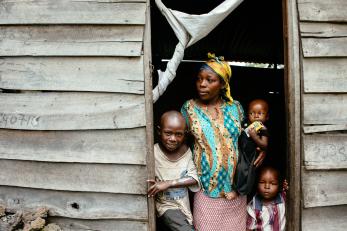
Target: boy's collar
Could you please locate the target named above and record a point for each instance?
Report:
(258, 202)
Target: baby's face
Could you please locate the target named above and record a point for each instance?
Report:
(258, 111)
(268, 184)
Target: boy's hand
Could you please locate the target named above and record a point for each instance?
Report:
(252, 133)
(158, 186)
(285, 186)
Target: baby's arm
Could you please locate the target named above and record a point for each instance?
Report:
(159, 186)
(261, 141)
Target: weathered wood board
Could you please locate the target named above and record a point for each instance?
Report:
(324, 47)
(71, 40)
(324, 128)
(101, 74)
(332, 218)
(74, 176)
(322, 10)
(324, 188)
(325, 108)
(325, 151)
(82, 205)
(99, 225)
(71, 111)
(323, 30)
(325, 74)
(71, 12)
(100, 146)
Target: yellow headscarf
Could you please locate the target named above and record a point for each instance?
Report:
(222, 68)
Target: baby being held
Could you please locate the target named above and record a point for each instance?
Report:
(253, 142)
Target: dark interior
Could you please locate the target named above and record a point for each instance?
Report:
(253, 33)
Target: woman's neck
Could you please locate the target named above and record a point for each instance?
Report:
(213, 102)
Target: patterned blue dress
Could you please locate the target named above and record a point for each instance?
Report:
(215, 150)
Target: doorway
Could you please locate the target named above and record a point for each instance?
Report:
(251, 38)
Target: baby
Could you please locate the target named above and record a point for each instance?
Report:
(253, 139)
(266, 211)
(175, 172)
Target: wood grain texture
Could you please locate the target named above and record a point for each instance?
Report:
(99, 225)
(324, 188)
(325, 75)
(147, 66)
(111, 178)
(324, 128)
(71, 12)
(82, 205)
(98, 146)
(71, 111)
(325, 218)
(71, 40)
(325, 108)
(325, 151)
(292, 81)
(321, 10)
(327, 47)
(323, 30)
(101, 74)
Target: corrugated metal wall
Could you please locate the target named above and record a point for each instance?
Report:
(323, 30)
(72, 112)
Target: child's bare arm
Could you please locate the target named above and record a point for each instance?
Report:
(159, 186)
(261, 141)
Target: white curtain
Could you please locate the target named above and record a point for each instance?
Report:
(189, 29)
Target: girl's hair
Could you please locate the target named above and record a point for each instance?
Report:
(270, 167)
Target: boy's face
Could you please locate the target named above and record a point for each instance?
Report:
(172, 133)
(258, 111)
(268, 184)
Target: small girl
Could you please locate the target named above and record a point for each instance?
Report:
(266, 211)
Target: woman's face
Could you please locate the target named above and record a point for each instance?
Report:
(209, 85)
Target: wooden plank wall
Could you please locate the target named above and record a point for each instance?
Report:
(323, 30)
(72, 111)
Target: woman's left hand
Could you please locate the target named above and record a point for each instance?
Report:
(260, 158)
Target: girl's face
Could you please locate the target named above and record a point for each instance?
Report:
(268, 184)
(209, 85)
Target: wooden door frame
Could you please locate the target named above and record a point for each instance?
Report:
(292, 58)
(293, 111)
(147, 66)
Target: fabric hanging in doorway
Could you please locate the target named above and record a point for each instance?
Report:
(188, 29)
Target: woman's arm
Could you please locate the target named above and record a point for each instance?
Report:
(260, 158)
(159, 186)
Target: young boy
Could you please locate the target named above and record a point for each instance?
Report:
(253, 139)
(266, 211)
(175, 172)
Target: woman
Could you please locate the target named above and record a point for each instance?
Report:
(214, 119)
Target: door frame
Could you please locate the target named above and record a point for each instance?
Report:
(292, 60)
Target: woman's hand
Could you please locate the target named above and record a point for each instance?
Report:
(260, 158)
(158, 186)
